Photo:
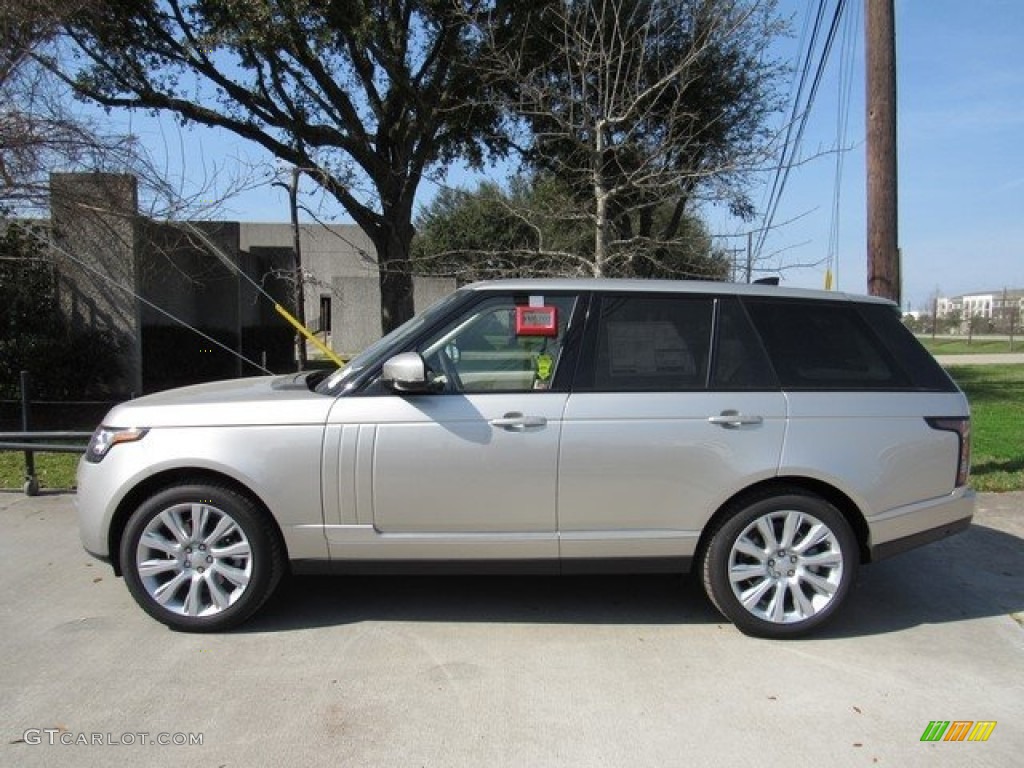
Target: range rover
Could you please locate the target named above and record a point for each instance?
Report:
(769, 440)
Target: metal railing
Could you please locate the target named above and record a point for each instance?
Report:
(31, 442)
(26, 441)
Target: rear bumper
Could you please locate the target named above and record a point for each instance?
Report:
(910, 527)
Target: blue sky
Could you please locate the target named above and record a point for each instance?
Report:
(961, 162)
(961, 159)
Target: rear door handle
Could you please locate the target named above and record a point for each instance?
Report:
(734, 419)
(516, 421)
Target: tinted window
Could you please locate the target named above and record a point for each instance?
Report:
(924, 372)
(740, 360)
(823, 345)
(649, 344)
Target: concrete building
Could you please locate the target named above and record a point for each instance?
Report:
(144, 282)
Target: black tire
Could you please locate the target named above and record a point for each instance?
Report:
(205, 580)
(790, 587)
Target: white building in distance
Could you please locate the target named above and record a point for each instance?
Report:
(1000, 308)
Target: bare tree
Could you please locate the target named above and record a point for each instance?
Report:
(86, 245)
(639, 105)
(41, 132)
(37, 131)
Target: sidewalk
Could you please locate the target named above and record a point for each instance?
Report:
(1014, 358)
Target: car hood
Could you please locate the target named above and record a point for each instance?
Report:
(240, 402)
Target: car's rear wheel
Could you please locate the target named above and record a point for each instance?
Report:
(781, 564)
(200, 558)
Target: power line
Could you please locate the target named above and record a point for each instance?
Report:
(846, 63)
(796, 99)
(791, 147)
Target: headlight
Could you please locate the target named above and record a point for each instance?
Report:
(105, 438)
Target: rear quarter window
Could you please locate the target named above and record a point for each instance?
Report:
(824, 346)
(924, 372)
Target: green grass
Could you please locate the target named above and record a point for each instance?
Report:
(54, 470)
(996, 394)
(959, 346)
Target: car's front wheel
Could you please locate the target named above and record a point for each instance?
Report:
(780, 565)
(200, 557)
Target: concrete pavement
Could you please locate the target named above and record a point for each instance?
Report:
(1013, 358)
(496, 671)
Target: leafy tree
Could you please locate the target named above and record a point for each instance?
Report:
(953, 321)
(532, 230)
(27, 283)
(365, 96)
(471, 235)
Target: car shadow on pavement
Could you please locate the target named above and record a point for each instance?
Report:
(975, 575)
(316, 601)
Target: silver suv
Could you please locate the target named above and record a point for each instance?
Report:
(768, 439)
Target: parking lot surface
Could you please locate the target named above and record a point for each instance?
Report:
(509, 671)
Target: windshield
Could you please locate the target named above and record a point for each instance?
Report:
(386, 346)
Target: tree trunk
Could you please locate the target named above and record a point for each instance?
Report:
(600, 202)
(396, 290)
(600, 232)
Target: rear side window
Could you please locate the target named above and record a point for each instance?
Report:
(924, 372)
(823, 346)
(649, 344)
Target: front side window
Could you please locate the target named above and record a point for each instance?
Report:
(501, 344)
(649, 344)
(388, 345)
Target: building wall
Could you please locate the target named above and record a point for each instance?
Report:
(95, 226)
(355, 317)
(95, 219)
(182, 271)
(338, 264)
(179, 276)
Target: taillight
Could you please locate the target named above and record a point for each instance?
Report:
(962, 426)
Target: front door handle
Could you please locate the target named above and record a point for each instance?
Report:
(734, 419)
(516, 421)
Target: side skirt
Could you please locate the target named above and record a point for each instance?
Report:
(487, 567)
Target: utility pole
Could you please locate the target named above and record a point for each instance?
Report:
(883, 240)
(298, 286)
(300, 282)
(750, 255)
(734, 263)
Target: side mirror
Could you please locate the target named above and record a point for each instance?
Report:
(406, 373)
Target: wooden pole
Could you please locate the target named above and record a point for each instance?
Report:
(882, 239)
